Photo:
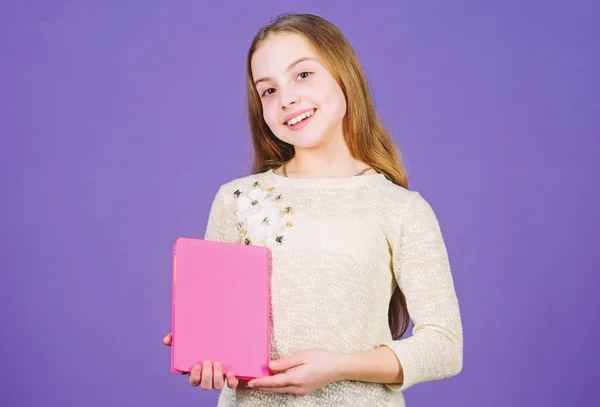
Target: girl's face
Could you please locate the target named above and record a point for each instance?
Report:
(302, 103)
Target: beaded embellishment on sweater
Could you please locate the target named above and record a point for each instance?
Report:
(261, 215)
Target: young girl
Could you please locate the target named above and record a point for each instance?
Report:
(354, 251)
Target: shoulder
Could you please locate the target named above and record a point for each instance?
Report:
(227, 190)
(395, 197)
(403, 207)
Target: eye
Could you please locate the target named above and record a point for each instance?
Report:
(304, 75)
(268, 92)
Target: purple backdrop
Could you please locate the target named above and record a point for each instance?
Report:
(121, 119)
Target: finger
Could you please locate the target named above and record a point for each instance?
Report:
(288, 362)
(194, 377)
(278, 380)
(285, 389)
(207, 376)
(217, 376)
(232, 381)
(168, 339)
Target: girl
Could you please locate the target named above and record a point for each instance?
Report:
(354, 251)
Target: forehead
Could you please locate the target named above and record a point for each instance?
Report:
(278, 51)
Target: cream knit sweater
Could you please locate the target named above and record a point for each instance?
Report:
(338, 248)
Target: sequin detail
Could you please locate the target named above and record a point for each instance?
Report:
(260, 215)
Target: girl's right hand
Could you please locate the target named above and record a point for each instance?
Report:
(207, 376)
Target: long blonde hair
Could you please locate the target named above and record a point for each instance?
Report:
(365, 135)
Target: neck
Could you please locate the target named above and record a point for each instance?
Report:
(330, 161)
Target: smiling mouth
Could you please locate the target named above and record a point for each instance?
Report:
(301, 118)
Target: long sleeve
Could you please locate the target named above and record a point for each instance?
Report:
(422, 270)
(221, 220)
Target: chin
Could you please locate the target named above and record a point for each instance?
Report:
(303, 141)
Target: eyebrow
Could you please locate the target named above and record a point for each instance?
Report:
(290, 66)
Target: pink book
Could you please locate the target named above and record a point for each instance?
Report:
(221, 303)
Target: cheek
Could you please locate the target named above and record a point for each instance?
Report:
(269, 114)
(334, 98)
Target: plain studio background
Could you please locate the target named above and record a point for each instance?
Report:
(119, 120)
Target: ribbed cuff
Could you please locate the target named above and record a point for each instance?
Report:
(406, 361)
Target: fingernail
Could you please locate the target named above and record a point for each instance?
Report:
(206, 363)
(217, 365)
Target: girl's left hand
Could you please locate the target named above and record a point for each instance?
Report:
(303, 372)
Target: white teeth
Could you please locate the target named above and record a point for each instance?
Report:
(299, 118)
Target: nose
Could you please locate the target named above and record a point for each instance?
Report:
(288, 97)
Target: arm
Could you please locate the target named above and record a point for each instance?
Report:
(422, 270)
(378, 365)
